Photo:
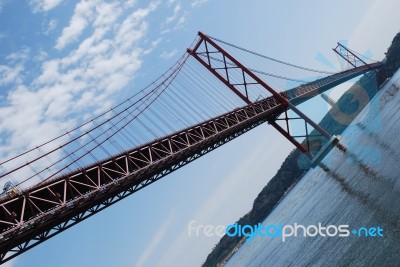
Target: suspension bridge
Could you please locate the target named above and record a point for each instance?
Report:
(214, 93)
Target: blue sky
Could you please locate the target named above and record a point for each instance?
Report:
(45, 44)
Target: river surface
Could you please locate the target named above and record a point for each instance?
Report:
(360, 189)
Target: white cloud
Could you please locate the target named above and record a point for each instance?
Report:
(198, 3)
(133, 28)
(153, 45)
(49, 73)
(180, 22)
(83, 14)
(155, 241)
(107, 13)
(84, 81)
(41, 55)
(174, 15)
(43, 5)
(165, 31)
(168, 55)
(10, 75)
(21, 55)
(50, 27)
(130, 3)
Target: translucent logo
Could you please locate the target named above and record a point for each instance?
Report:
(282, 231)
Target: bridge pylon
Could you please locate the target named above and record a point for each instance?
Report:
(223, 66)
(354, 60)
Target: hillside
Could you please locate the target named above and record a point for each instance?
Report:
(392, 60)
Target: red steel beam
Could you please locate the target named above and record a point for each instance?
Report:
(245, 99)
(354, 55)
(278, 96)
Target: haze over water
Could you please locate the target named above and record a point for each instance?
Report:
(362, 189)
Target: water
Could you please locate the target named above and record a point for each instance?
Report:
(361, 190)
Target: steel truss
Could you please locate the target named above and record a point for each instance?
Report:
(353, 59)
(51, 207)
(223, 66)
(348, 55)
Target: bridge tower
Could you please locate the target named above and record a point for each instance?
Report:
(204, 52)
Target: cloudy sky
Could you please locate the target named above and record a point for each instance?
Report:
(63, 60)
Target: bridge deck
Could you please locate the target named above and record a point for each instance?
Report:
(40, 212)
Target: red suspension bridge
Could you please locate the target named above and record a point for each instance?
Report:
(184, 114)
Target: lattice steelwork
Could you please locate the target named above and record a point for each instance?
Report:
(238, 78)
(32, 216)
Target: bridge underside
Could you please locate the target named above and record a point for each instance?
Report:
(49, 208)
